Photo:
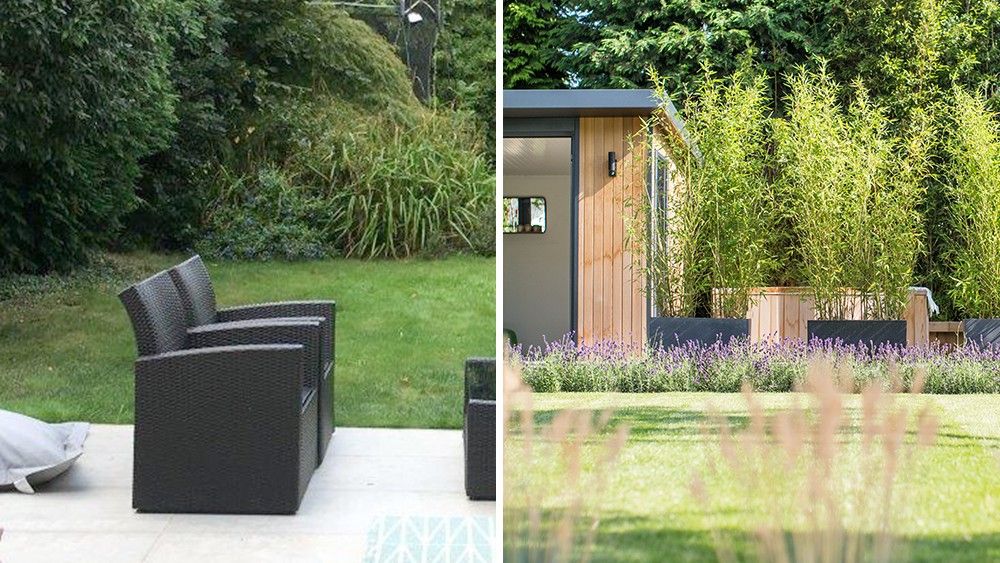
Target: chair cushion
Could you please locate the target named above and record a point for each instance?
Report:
(33, 452)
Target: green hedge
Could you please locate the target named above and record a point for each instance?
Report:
(84, 95)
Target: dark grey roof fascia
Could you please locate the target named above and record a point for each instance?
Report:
(587, 103)
(573, 103)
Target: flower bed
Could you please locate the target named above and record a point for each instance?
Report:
(723, 367)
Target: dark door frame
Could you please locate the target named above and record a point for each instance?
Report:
(563, 127)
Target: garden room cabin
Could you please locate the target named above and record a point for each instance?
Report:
(572, 162)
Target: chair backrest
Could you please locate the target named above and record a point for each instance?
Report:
(157, 315)
(480, 379)
(195, 288)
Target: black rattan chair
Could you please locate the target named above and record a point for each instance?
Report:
(479, 430)
(223, 429)
(198, 296)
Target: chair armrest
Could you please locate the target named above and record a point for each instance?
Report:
(304, 332)
(204, 374)
(226, 402)
(326, 309)
(480, 379)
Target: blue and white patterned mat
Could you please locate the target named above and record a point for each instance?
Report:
(434, 539)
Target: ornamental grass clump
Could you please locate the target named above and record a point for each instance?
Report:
(816, 493)
(854, 190)
(542, 523)
(974, 150)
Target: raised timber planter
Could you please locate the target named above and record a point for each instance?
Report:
(982, 331)
(871, 333)
(946, 333)
(777, 313)
(672, 331)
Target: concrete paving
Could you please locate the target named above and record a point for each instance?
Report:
(86, 514)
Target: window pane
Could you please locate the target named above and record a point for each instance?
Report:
(510, 215)
(524, 215)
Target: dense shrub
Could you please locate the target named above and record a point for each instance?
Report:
(84, 94)
(248, 128)
(358, 184)
(347, 159)
(345, 59)
(262, 216)
(779, 367)
(397, 186)
(177, 182)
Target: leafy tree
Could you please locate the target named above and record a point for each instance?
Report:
(530, 50)
(466, 62)
(177, 182)
(613, 43)
(84, 95)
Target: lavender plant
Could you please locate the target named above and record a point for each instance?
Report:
(767, 366)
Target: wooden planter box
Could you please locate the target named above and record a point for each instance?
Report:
(946, 333)
(776, 313)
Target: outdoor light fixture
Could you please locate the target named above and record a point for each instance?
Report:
(414, 17)
(612, 164)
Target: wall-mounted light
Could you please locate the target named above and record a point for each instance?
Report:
(612, 164)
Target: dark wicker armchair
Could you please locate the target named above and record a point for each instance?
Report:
(198, 296)
(224, 429)
(479, 430)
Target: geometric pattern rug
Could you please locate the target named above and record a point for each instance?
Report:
(431, 539)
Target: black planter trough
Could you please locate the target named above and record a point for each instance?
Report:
(871, 333)
(982, 331)
(673, 331)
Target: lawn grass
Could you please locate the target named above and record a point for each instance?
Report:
(404, 329)
(949, 507)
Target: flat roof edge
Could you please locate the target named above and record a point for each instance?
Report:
(552, 103)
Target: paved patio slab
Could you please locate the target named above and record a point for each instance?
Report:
(369, 473)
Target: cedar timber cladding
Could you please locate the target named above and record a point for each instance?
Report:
(611, 301)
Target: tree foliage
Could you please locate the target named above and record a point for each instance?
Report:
(83, 97)
(530, 48)
(466, 62)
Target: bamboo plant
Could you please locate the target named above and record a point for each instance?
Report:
(714, 228)
(974, 150)
(853, 191)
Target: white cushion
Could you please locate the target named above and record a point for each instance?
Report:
(32, 451)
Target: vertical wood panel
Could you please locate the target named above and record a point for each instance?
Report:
(640, 172)
(607, 224)
(586, 242)
(784, 312)
(615, 143)
(611, 302)
(624, 184)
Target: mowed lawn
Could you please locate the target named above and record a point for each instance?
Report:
(404, 329)
(947, 501)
